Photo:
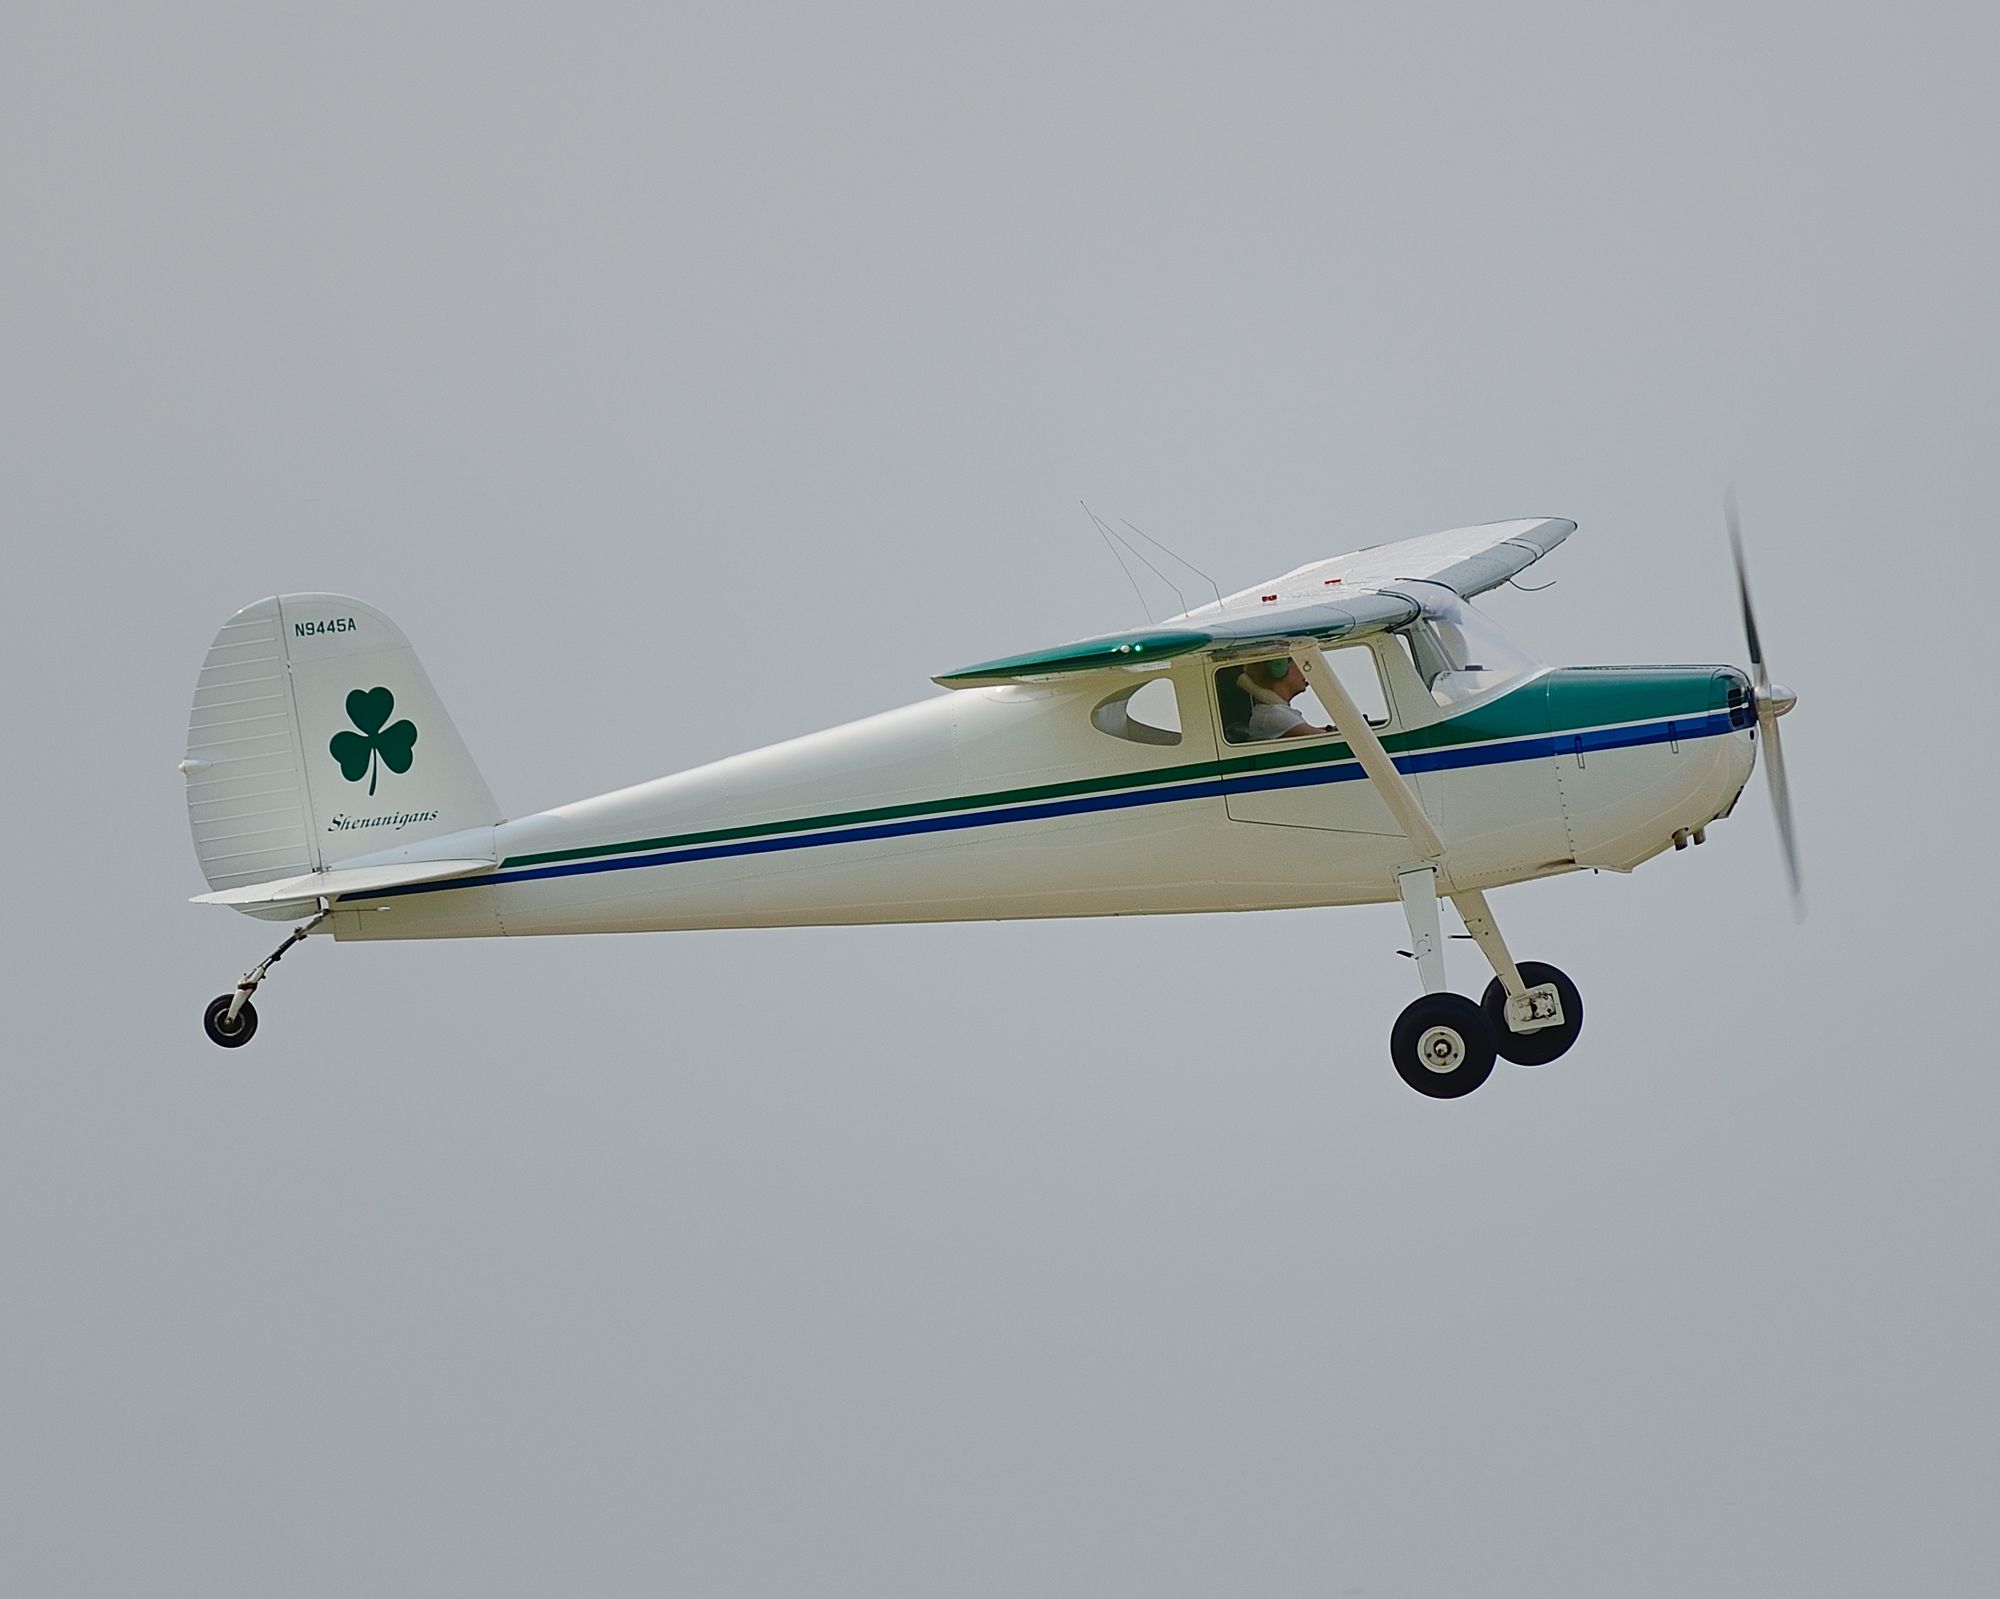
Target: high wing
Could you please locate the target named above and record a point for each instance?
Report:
(1327, 602)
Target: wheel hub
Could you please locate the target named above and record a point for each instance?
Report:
(1441, 1049)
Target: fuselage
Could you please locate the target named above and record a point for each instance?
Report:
(1036, 800)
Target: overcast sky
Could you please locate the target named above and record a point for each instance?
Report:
(683, 380)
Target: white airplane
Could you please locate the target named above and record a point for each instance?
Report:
(1171, 768)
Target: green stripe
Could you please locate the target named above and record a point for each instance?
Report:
(1557, 702)
(1589, 696)
(880, 813)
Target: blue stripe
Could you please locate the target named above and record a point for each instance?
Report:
(1207, 789)
(1522, 749)
(1344, 771)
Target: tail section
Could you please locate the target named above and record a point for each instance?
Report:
(316, 739)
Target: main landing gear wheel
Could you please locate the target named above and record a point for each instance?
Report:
(1537, 1048)
(230, 1035)
(1443, 1046)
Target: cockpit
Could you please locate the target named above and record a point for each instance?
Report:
(1453, 651)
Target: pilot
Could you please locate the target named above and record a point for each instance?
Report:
(1272, 686)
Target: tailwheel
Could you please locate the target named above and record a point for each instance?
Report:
(1443, 1046)
(230, 1034)
(233, 1031)
(1544, 1044)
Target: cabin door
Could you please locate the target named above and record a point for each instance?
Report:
(1304, 779)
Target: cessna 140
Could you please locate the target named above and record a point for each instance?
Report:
(1155, 770)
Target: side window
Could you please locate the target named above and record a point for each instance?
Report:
(1426, 651)
(1262, 700)
(1149, 713)
(1361, 677)
(1400, 643)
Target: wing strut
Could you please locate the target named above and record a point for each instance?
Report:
(1353, 727)
(1416, 883)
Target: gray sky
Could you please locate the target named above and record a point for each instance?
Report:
(596, 345)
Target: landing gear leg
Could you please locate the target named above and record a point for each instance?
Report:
(1418, 888)
(1535, 1010)
(231, 1020)
(1443, 1044)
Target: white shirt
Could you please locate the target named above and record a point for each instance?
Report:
(1272, 721)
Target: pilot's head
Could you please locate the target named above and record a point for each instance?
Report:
(1285, 676)
(1276, 681)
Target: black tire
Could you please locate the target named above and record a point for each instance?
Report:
(1534, 1049)
(220, 1031)
(1443, 1046)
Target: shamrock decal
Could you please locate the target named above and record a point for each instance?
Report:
(368, 709)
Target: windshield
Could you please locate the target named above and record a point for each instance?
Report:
(1458, 651)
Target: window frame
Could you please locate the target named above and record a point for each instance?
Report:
(1372, 645)
(1157, 737)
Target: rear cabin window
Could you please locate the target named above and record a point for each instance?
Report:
(1147, 714)
(1262, 700)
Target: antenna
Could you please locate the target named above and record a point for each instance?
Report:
(1146, 614)
(1140, 556)
(1177, 556)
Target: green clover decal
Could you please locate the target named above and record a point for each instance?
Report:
(368, 709)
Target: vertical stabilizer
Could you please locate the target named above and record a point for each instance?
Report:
(315, 738)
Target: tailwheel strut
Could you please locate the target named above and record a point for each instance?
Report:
(231, 1020)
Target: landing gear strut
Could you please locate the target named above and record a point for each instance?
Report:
(231, 1020)
(1443, 1044)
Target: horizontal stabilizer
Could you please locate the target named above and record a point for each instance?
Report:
(353, 882)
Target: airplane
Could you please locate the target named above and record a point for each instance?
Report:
(1162, 769)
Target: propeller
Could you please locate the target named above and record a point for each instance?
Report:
(1771, 701)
